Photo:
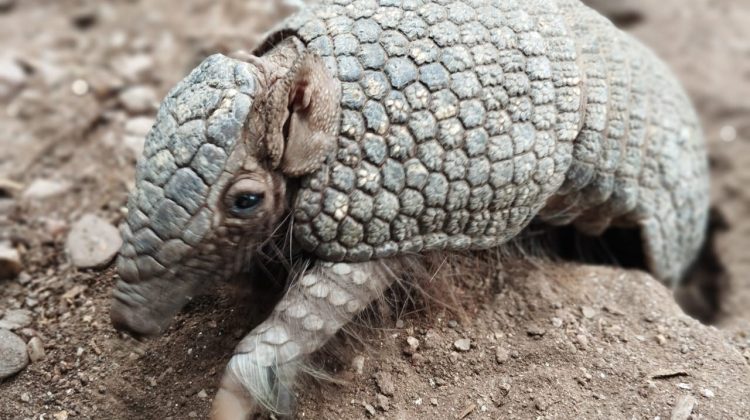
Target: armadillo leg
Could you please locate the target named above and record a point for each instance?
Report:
(260, 375)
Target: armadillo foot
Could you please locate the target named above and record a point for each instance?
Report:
(235, 401)
(261, 374)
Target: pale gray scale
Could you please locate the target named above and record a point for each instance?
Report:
(401, 145)
(455, 226)
(424, 51)
(187, 189)
(325, 227)
(445, 34)
(404, 227)
(485, 55)
(195, 102)
(434, 76)
(465, 84)
(351, 233)
(159, 135)
(397, 107)
(209, 162)
(394, 43)
(349, 153)
(375, 84)
(352, 96)
(495, 98)
(423, 126)
(400, 71)
(457, 58)
(148, 267)
(432, 13)
(450, 133)
(472, 113)
(388, 17)
(198, 227)
(455, 165)
(543, 93)
(385, 206)
(145, 241)
(489, 16)
(352, 124)
(393, 176)
(308, 205)
(413, 26)
(377, 232)
(345, 44)
(158, 168)
(444, 104)
(349, 69)
(411, 202)
(362, 206)
(366, 30)
(376, 119)
(322, 45)
(474, 33)
(369, 178)
(372, 56)
(335, 203)
(416, 174)
(431, 221)
(417, 95)
(147, 197)
(173, 251)
(498, 122)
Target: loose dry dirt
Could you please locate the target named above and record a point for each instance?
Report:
(548, 341)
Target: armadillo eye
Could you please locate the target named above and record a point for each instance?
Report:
(245, 203)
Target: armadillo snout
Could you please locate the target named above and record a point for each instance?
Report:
(129, 315)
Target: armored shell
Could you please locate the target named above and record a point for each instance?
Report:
(464, 120)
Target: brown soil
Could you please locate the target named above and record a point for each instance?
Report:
(555, 341)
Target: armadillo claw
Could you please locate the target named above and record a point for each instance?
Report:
(269, 385)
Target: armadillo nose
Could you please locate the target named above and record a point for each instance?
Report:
(129, 317)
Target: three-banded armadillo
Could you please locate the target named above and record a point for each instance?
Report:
(376, 132)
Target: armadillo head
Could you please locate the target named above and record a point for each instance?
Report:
(211, 186)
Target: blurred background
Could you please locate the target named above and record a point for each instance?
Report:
(79, 85)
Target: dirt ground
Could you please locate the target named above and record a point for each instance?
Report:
(544, 341)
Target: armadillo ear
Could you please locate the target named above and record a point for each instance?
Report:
(304, 116)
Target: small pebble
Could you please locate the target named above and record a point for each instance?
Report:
(202, 394)
(92, 242)
(588, 312)
(434, 401)
(41, 189)
(683, 408)
(15, 319)
(25, 397)
(35, 349)
(412, 344)
(358, 364)
(369, 408)
(79, 87)
(138, 99)
(13, 355)
(383, 402)
(501, 355)
(557, 322)
(385, 383)
(10, 261)
(708, 393)
(728, 133)
(463, 344)
(60, 415)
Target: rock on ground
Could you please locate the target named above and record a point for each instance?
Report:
(93, 242)
(13, 355)
(15, 319)
(45, 188)
(10, 261)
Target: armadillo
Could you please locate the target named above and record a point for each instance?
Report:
(363, 135)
